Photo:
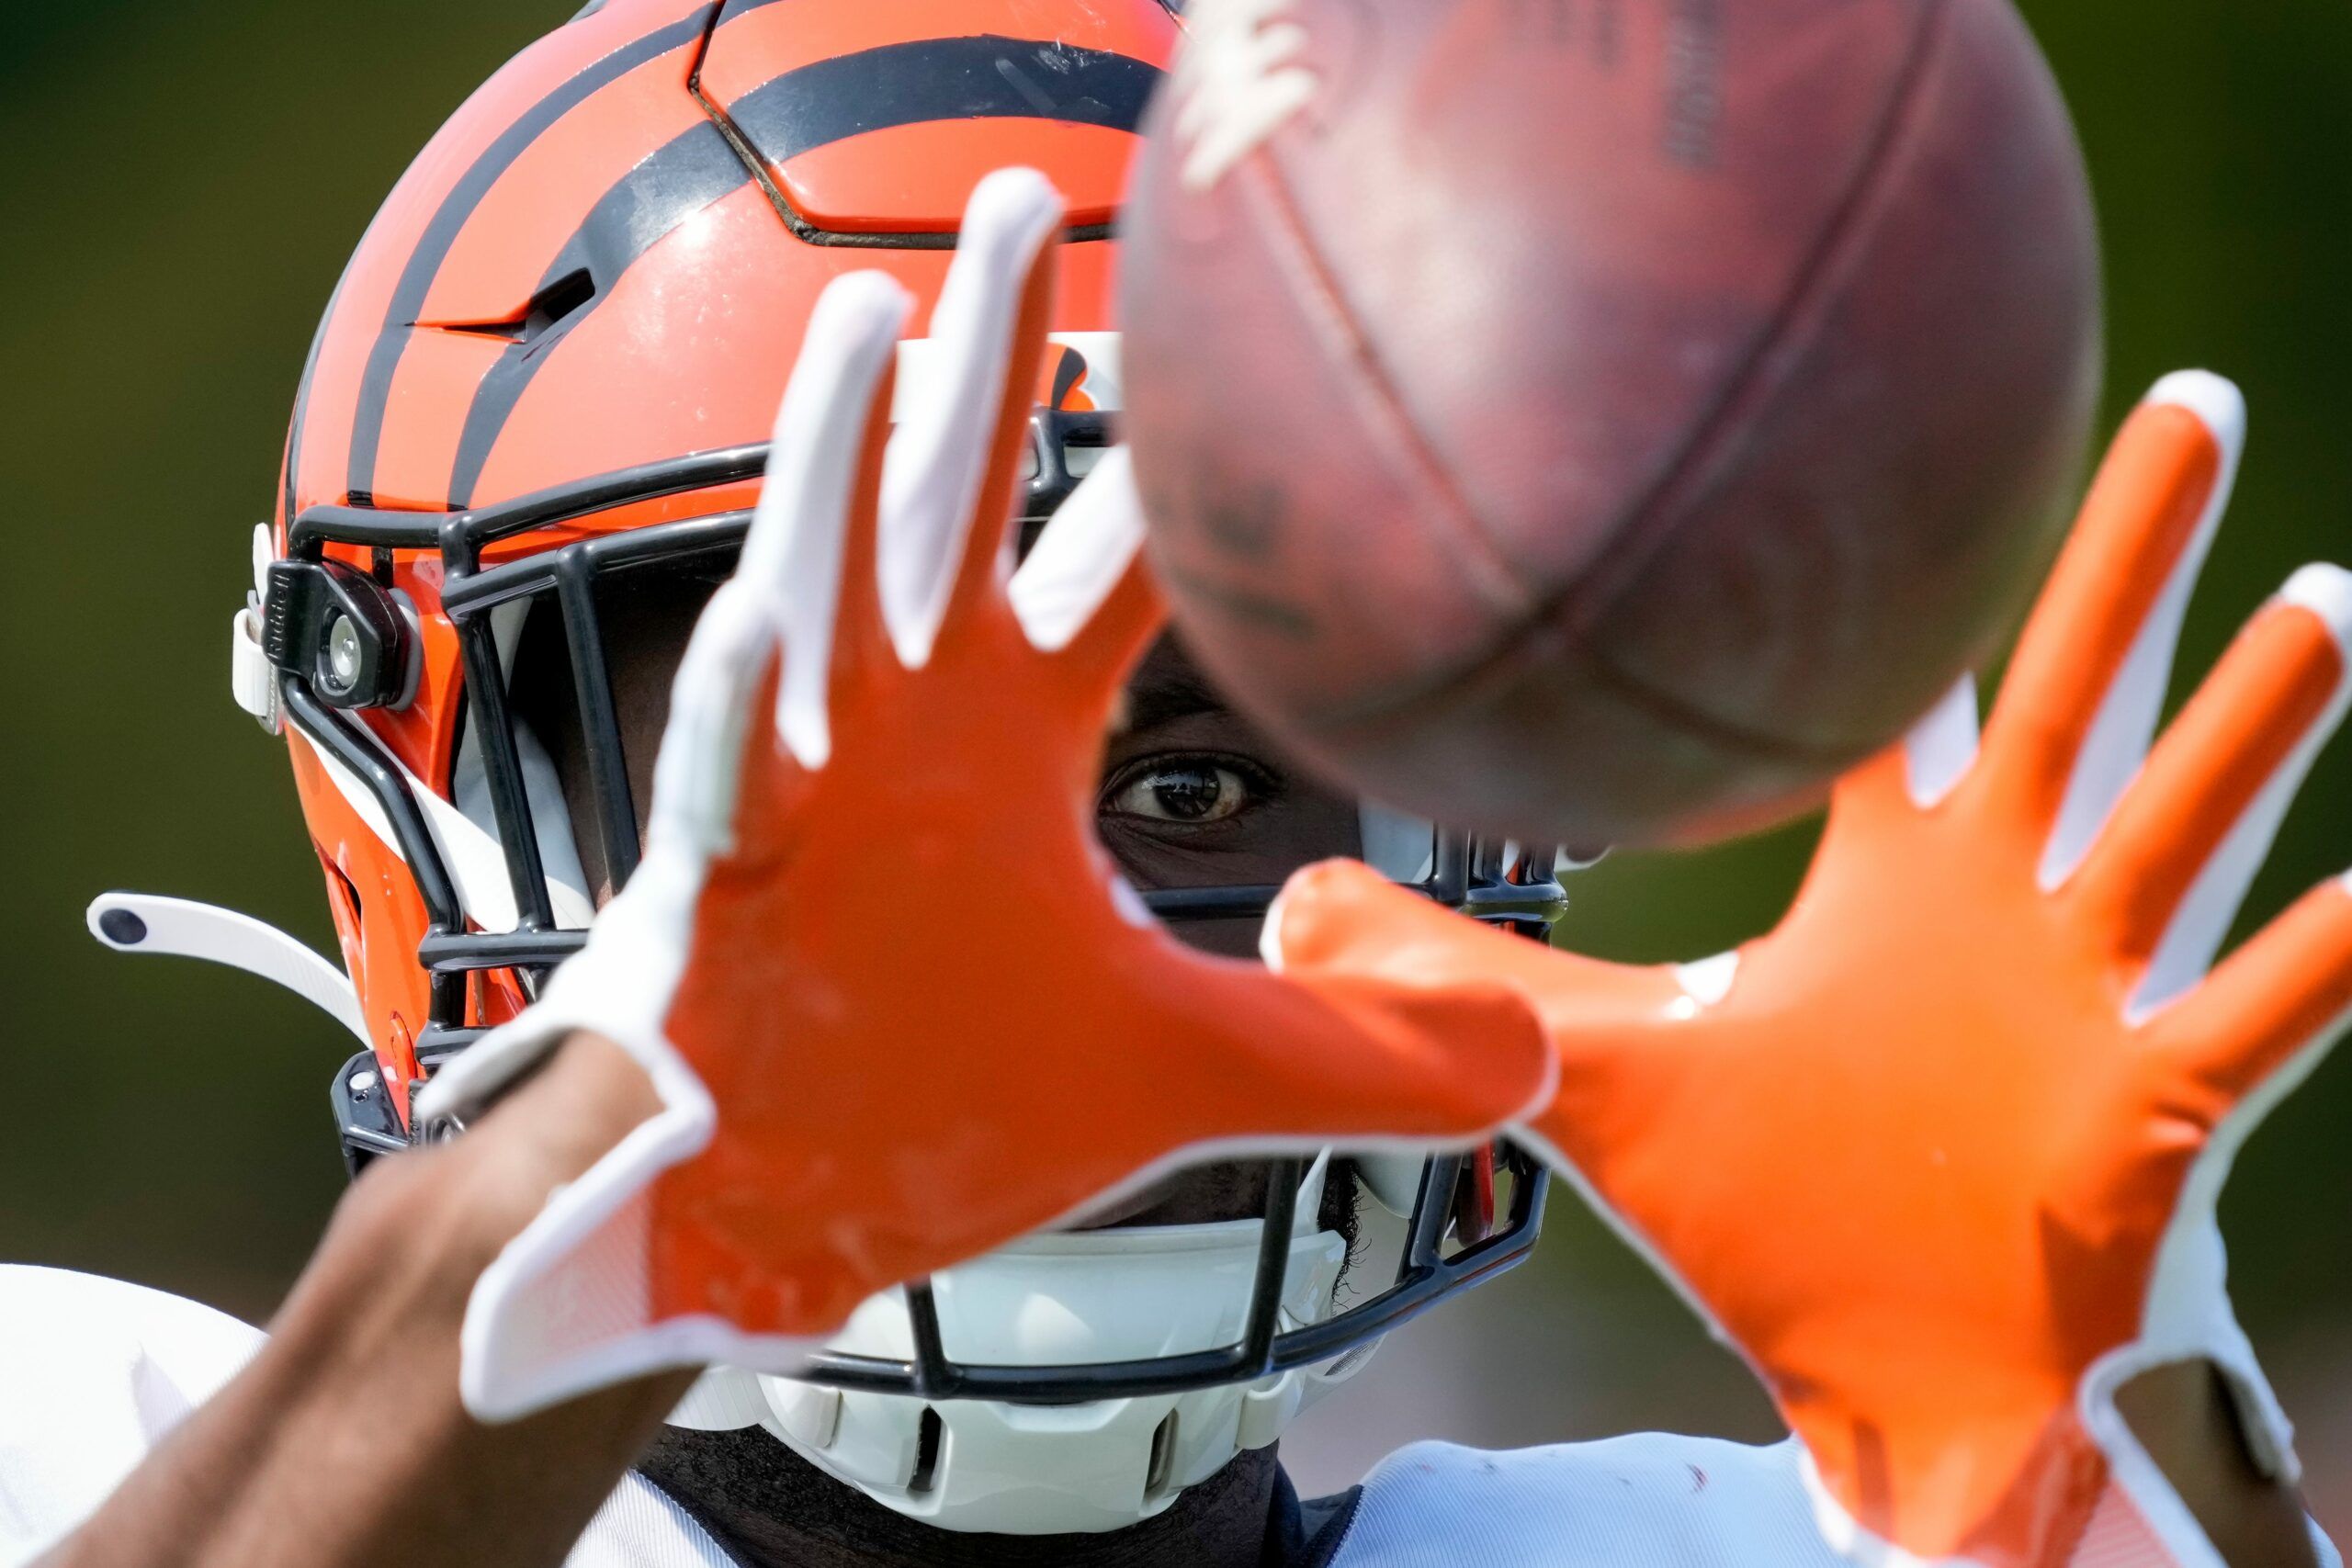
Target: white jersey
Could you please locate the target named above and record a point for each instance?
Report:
(93, 1373)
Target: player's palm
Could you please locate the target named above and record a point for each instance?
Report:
(1940, 1153)
(1051, 1042)
(895, 1002)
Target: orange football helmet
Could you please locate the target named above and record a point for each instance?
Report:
(556, 357)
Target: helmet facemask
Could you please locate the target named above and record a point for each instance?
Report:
(557, 615)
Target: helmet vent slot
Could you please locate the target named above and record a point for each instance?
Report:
(558, 302)
(929, 1434)
(549, 309)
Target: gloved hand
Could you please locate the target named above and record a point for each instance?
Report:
(870, 726)
(1940, 1155)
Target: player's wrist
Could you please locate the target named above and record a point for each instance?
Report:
(435, 1218)
(2186, 1418)
(273, 1471)
(552, 1125)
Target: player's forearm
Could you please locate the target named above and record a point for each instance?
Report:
(344, 1445)
(2182, 1415)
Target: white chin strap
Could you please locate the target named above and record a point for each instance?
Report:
(1057, 1299)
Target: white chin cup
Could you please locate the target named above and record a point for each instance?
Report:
(1110, 1296)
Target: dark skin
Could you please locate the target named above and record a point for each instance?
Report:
(280, 1471)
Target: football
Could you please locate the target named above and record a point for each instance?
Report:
(1605, 421)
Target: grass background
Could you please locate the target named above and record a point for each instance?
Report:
(182, 184)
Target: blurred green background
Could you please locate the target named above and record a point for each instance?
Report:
(186, 182)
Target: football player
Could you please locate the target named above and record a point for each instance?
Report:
(814, 923)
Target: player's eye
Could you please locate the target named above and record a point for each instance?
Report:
(1185, 790)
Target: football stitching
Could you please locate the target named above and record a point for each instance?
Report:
(1813, 285)
(1498, 581)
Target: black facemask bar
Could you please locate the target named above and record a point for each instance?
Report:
(330, 628)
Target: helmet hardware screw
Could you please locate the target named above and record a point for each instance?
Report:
(345, 656)
(362, 1085)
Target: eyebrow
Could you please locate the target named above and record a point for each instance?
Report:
(1165, 696)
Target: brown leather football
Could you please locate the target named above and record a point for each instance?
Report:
(1604, 421)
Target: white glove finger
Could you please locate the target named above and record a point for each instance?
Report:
(792, 557)
(1941, 748)
(950, 404)
(2117, 742)
(1081, 556)
(2250, 723)
(699, 772)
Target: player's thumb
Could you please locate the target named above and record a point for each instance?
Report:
(1343, 917)
(1432, 1033)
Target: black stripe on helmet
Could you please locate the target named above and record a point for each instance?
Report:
(983, 77)
(649, 204)
(832, 100)
(450, 221)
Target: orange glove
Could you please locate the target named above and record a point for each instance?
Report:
(1941, 1155)
(871, 719)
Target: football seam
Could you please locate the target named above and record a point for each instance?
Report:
(1499, 582)
(1699, 725)
(1812, 286)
